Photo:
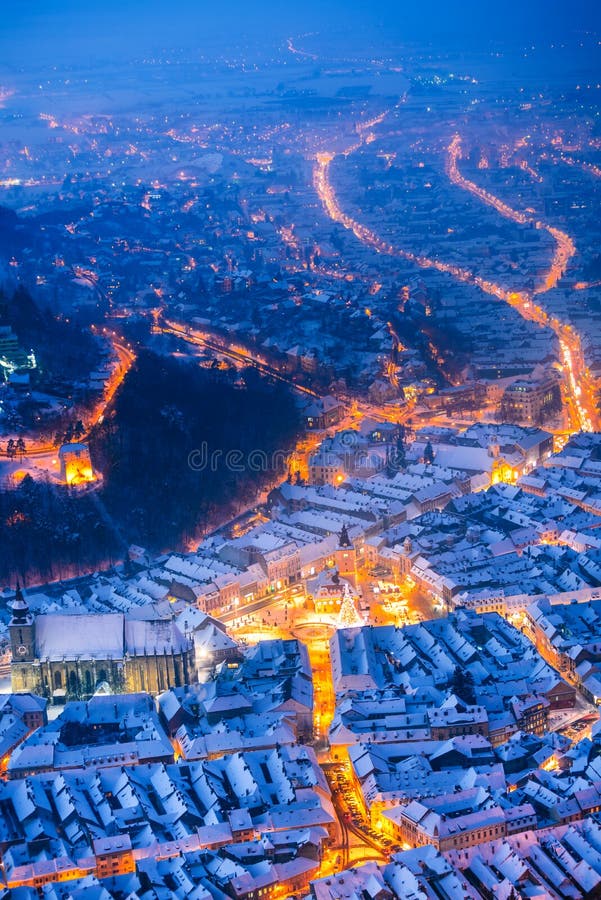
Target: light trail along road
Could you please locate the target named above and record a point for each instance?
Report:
(579, 389)
(237, 354)
(125, 356)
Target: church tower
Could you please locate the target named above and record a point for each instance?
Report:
(22, 629)
(346, 556)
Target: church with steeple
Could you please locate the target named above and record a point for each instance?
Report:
(65, 656)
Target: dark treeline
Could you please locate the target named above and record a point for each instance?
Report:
(63, 349)
(49, 532)
(167, 410)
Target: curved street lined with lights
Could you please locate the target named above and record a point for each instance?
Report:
(579, 389)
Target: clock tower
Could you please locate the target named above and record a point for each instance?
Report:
(22, 629)
(346, 556)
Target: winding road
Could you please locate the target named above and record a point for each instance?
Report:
(579, 390)
(126, 357)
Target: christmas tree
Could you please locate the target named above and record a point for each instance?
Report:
(348, 617)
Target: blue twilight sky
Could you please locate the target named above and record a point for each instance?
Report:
(47, 30)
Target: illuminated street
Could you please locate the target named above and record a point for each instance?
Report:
(300, 451)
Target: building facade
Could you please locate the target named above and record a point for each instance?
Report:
(74, 656)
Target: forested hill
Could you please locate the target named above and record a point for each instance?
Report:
(166, 410)
(49, 533)
(169, 412)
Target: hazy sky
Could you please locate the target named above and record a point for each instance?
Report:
(60, 29)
